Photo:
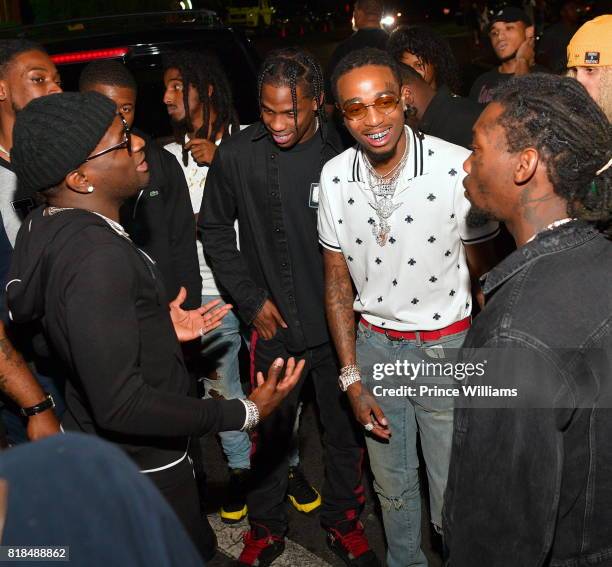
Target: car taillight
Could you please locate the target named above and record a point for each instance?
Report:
(90, 55)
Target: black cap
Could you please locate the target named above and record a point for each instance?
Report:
(55, 134)
(510, 14)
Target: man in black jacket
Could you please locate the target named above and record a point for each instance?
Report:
(102, 303)
(267, 177)
(159, 218)
(530, 484)
(438, 113)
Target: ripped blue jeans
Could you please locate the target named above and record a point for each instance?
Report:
(221, 377)
(395, 463)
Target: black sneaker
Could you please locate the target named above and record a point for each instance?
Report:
(261, 548)
(234, 508)
(351, 545)
(301, 494)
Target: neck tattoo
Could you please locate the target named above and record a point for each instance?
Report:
(383, 189)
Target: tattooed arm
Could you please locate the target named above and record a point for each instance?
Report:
(339, 299)
(18, 383)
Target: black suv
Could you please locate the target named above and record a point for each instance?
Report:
(140, 41)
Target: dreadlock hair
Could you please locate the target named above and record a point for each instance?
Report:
(203, 71)
(557, 116)
(290, 67)
(109, 72)
(361, 58)
(10, 48)
(430, 48)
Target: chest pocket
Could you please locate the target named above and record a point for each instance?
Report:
(313, 200)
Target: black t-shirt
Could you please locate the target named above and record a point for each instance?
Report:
(370, 37)
(299, 172)
(483, 86)
(450, 117)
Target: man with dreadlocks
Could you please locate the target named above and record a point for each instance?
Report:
(199, 102)
(530, 484)
(266, 177)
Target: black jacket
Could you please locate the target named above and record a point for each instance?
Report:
(104, 311)
(160, 221)
(450, 118)
(531, 486)
(243, 183)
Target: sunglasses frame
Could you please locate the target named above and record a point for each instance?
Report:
(366, 106)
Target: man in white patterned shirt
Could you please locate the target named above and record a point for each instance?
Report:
(392, 222)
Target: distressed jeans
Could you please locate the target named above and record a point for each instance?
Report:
(220, 374)
(395, 463)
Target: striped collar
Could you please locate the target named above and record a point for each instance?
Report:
(415, 157)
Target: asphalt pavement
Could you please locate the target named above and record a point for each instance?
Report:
(306, 546)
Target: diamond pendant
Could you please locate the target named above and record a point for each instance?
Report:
(381, 232)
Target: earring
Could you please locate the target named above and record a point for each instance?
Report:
(90, 189)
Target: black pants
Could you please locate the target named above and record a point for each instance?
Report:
(178, 485)
(342, 492)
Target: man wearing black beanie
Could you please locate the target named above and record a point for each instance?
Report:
(102, 303)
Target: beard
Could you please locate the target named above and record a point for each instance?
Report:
(478, 217)
(384, 156)
(508, 58)
(178, 125)
(380, 158)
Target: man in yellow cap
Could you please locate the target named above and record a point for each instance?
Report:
(589, 59)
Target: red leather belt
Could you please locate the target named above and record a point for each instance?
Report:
(452, 329)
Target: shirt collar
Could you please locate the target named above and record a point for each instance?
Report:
(415, 166)
(330, 135)
(564, 237)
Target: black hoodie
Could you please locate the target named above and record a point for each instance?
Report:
(104, 310)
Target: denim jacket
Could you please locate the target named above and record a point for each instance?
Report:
(532, 486)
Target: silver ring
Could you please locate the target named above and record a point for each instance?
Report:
(202, 332)
(369, 426)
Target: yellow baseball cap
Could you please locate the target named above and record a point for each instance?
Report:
(591, 45)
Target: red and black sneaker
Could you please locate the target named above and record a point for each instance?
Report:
(261, 547)
(350, 544)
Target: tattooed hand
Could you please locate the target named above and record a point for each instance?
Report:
(367, 410)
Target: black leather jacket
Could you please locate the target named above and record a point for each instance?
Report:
(532, 486)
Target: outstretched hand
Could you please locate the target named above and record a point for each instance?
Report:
(194, 323)
(271, 391)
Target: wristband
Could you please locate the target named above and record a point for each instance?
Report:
(252, 415)
(349, 375)
(47, 403)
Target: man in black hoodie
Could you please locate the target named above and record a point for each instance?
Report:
(102, 303)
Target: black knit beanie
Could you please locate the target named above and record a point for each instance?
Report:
(55, 134)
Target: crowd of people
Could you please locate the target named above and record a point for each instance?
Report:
(370, 221)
